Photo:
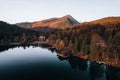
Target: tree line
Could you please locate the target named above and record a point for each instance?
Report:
(12, 33)
(95, 41)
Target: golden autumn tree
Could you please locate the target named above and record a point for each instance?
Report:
(61, 45)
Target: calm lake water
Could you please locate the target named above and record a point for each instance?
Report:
(36, 63)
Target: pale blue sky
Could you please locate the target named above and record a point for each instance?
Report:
(13, 11)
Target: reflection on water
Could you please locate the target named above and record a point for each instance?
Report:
(6, 47)
(78, 64)
(96, 71)
(36, 63)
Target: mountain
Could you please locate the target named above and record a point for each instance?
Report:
(55, 23)
(104, 21)
(107, 20)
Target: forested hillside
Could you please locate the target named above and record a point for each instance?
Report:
(88, 40)
(97, 40)
(12, 33)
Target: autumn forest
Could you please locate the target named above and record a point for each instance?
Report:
(97, 40)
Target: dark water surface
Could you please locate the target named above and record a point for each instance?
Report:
(36, 63)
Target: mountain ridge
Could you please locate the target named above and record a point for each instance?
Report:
(58, 23)
(105, 20)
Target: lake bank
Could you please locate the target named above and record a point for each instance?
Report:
(108, 61)
(40, 63)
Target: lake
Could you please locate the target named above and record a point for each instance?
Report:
(37, 63)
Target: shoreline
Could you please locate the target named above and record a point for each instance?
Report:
(111, 62)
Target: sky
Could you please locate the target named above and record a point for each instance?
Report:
(15, 11)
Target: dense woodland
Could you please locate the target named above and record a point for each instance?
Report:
(12, 33)
(98, 40)
(87, 40)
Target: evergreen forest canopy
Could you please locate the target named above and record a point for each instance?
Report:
(12, 33)
(97, 40)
